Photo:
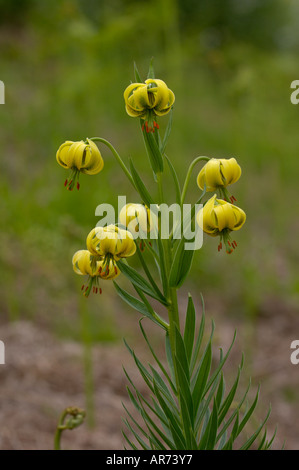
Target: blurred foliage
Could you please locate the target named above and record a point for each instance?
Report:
(65, 65)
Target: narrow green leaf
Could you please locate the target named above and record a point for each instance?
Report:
(137, 75)
(187, 425)
(143, 371)
(151, 72)
(181, 265)
(213, 428)
(269, 444)
(157, 359)
(167, 132)
(140, 186)
(173, 422)
(263, 441)
(175, 180)
(195, 354)
(220, 391)
(185, 393)
(220, 365)
(162, 264)
(233, 415)
(249, 412)
(202, 376)
(180, 352)
(163, 387)
(138, 305)
(229, 399)
(169, 356)
(131, 444)
(254, 436)
(153, 151)
(204, 404)
(140, 282)
(189, 330)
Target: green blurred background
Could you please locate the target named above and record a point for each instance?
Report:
(65, 65)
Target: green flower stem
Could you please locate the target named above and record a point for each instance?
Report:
(117, 156)
(147, 271)
(188, 176)
(60, 428)
(171, 293)
(192, 212)
(155, 316)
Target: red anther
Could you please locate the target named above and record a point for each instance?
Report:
(78, 185)
(235, 243)
(107, 271)
(86, 289)
(229, 243)
(100, 290)
(115, 269)
(142, 128)
(234, 198)
(65, 183)
(156, 125)
(150, 243)
(96, 290)
(100, 269)
(82, 287)
(141, 246)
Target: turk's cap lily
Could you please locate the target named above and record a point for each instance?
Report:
(219, 218)
(218, 173)
(137, 218)
(153, 95)
(80, 157)
(85, 264)
(110, 242)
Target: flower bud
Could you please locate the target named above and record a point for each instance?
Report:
(218, 173)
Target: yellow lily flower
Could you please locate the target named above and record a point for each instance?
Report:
(219, 218)
(144, 219)
(80, 157)
(85, 264)
(110, 242)
(218, 173)
(153, 95)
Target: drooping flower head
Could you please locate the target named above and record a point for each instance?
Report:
(110, 243)
(145, 99)
(85, 264)
(137, 218)
(220, 218)
(79, 157)
(218, 174)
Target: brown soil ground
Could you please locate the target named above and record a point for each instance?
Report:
(43, 375)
